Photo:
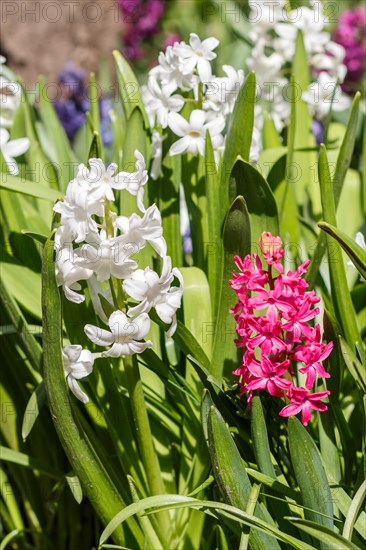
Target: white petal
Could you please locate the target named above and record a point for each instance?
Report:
(210, 43)
(197, 119)
(178, 124)
(180, 146)
(98, 335)
(17, 147)
(76, 390)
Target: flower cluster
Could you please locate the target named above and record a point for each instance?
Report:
(280, 348)
(274, 31)
(141, 21)
(73, 104)
(96, 245)
(10, 97)
(350, 33)
(184, 76)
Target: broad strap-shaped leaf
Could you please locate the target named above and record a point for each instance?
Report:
(217, 206)
(261, 205)
(343, 163)
(58, 141)
(356, 254)
(310, 474)
(341, 295)
(29, 188)
(230, 474)
(129, 88)
(197, 307)
(236, 241)
(239, 135)
(86, 465)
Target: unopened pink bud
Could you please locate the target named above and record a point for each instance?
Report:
(270, 244)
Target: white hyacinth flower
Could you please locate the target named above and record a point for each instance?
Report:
(323, 94)
(137, 231)
(198, 54)
(222, 92)
(134, 182)
(11, 149)
(160, 102)
(99, 180)
(105, 257)
(78, 363)
(76, 211)
(145, 286)
(68, 274)
(170, 71)
(123, 335)
(193, 133)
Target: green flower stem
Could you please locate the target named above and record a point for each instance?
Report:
(94, 479)
(143, 433)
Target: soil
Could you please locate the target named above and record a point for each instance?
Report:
(41, 36)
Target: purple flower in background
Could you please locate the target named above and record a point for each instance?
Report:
(73, 104)
(351, 34)
(170, 40)
(141, 19)
(318, 131)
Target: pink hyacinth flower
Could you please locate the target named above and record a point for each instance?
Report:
(303, 401)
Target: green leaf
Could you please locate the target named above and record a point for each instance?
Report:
(84, 462)
(19, 279)
(354, 511)
(197, 307)
(34, 405)
(22, 459)
(129, 88)
(328, 538)
(260, 438)
(303, 137)
(230, 474)
(173, 502)
(96, 148)
(356, 369)
(236, 241)
(310, 474)
(75, 487)
(341, 296)
(217, 199)
(29, 188)
(343, 163)
(239, 135)
(57, 140)
(94, 103)
(352, 249)
(169, 205)
(261, 205)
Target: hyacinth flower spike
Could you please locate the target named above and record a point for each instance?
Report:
(273, 317)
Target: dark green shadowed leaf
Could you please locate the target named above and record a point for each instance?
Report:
(236, 241)
(230, 474)
(260, 203)
(310, 474)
